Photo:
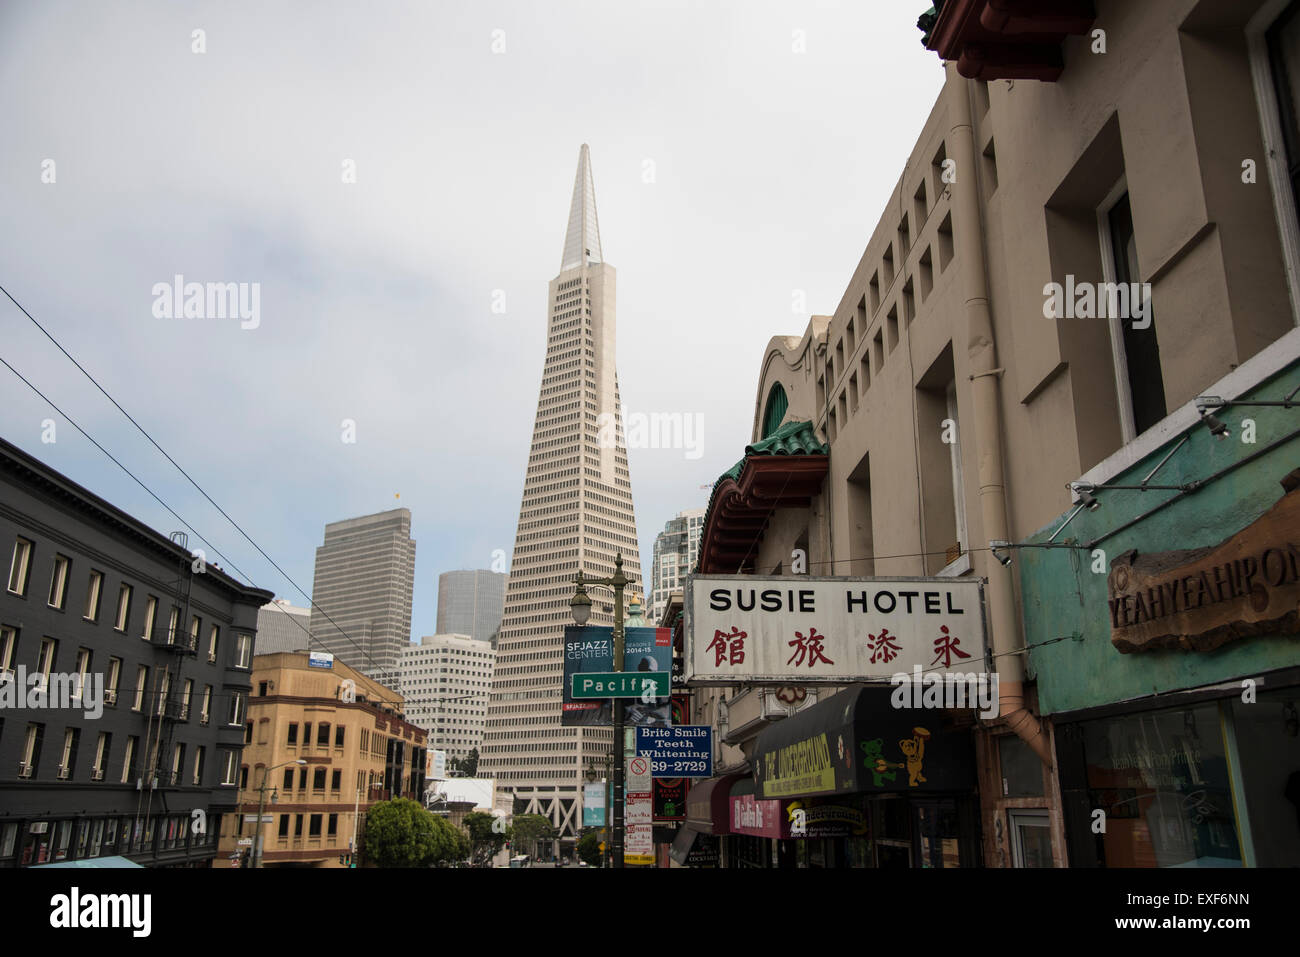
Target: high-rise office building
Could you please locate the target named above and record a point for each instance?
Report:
(445, 684)
(576, 513)
(471, 603)
(282, 627)
(365, 575)
(676, 549)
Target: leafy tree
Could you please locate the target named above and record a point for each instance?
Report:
(469, 764)
(465, 767)
(589, 848)
(484, 842)
(531, 828)
(400, 833)
(460, 850)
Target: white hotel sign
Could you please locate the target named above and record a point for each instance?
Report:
(801, 630)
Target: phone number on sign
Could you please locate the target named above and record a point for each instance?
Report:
(678, 765)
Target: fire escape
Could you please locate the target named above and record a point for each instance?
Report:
(170, 704)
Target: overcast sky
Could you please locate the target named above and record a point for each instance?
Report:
(769, 168)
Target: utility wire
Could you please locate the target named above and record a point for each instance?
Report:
(187, 475)
(216, 551)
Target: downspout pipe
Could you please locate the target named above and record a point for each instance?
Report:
(981, 352)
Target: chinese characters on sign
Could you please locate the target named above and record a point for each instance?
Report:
(798, 629)
(810, 646)
(882, 646)
(945, 647)
(735, 651)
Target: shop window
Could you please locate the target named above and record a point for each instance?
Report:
(938, 830)
(1162, 779)
(892, 825)
(1268, 752)
(8, 840)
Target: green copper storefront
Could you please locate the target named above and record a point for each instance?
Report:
(862, 784)
(1164, 640)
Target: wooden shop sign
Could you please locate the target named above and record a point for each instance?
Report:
(1199, 599)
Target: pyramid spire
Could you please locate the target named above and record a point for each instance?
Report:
(583, 234)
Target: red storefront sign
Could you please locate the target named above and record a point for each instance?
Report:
(759, 817)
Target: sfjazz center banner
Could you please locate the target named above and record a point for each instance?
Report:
(590, 648)
(799, 629)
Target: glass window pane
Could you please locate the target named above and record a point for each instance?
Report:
(1022, 771)
(1268, 749)
(1162, 779)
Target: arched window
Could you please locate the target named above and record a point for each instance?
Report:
(774, 412)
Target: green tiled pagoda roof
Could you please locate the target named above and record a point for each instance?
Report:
(793, 438)
(925, 23)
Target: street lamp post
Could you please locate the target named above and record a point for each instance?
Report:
(581, 605)
(604, 783)
(261, 808)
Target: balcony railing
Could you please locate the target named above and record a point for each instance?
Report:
(180, 644)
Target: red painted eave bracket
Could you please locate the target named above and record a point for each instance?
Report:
(741, 509)
(1009, 39)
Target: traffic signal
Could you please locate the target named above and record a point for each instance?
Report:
(345, 859)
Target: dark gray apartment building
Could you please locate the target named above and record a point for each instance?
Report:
(125, 671)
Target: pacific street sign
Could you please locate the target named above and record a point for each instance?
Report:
(647, 685)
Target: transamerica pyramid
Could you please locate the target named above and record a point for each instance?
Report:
(576, 512)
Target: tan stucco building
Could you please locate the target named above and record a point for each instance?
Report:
(959, 393)
(328, 742)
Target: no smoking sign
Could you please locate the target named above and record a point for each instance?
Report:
(638, 774)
